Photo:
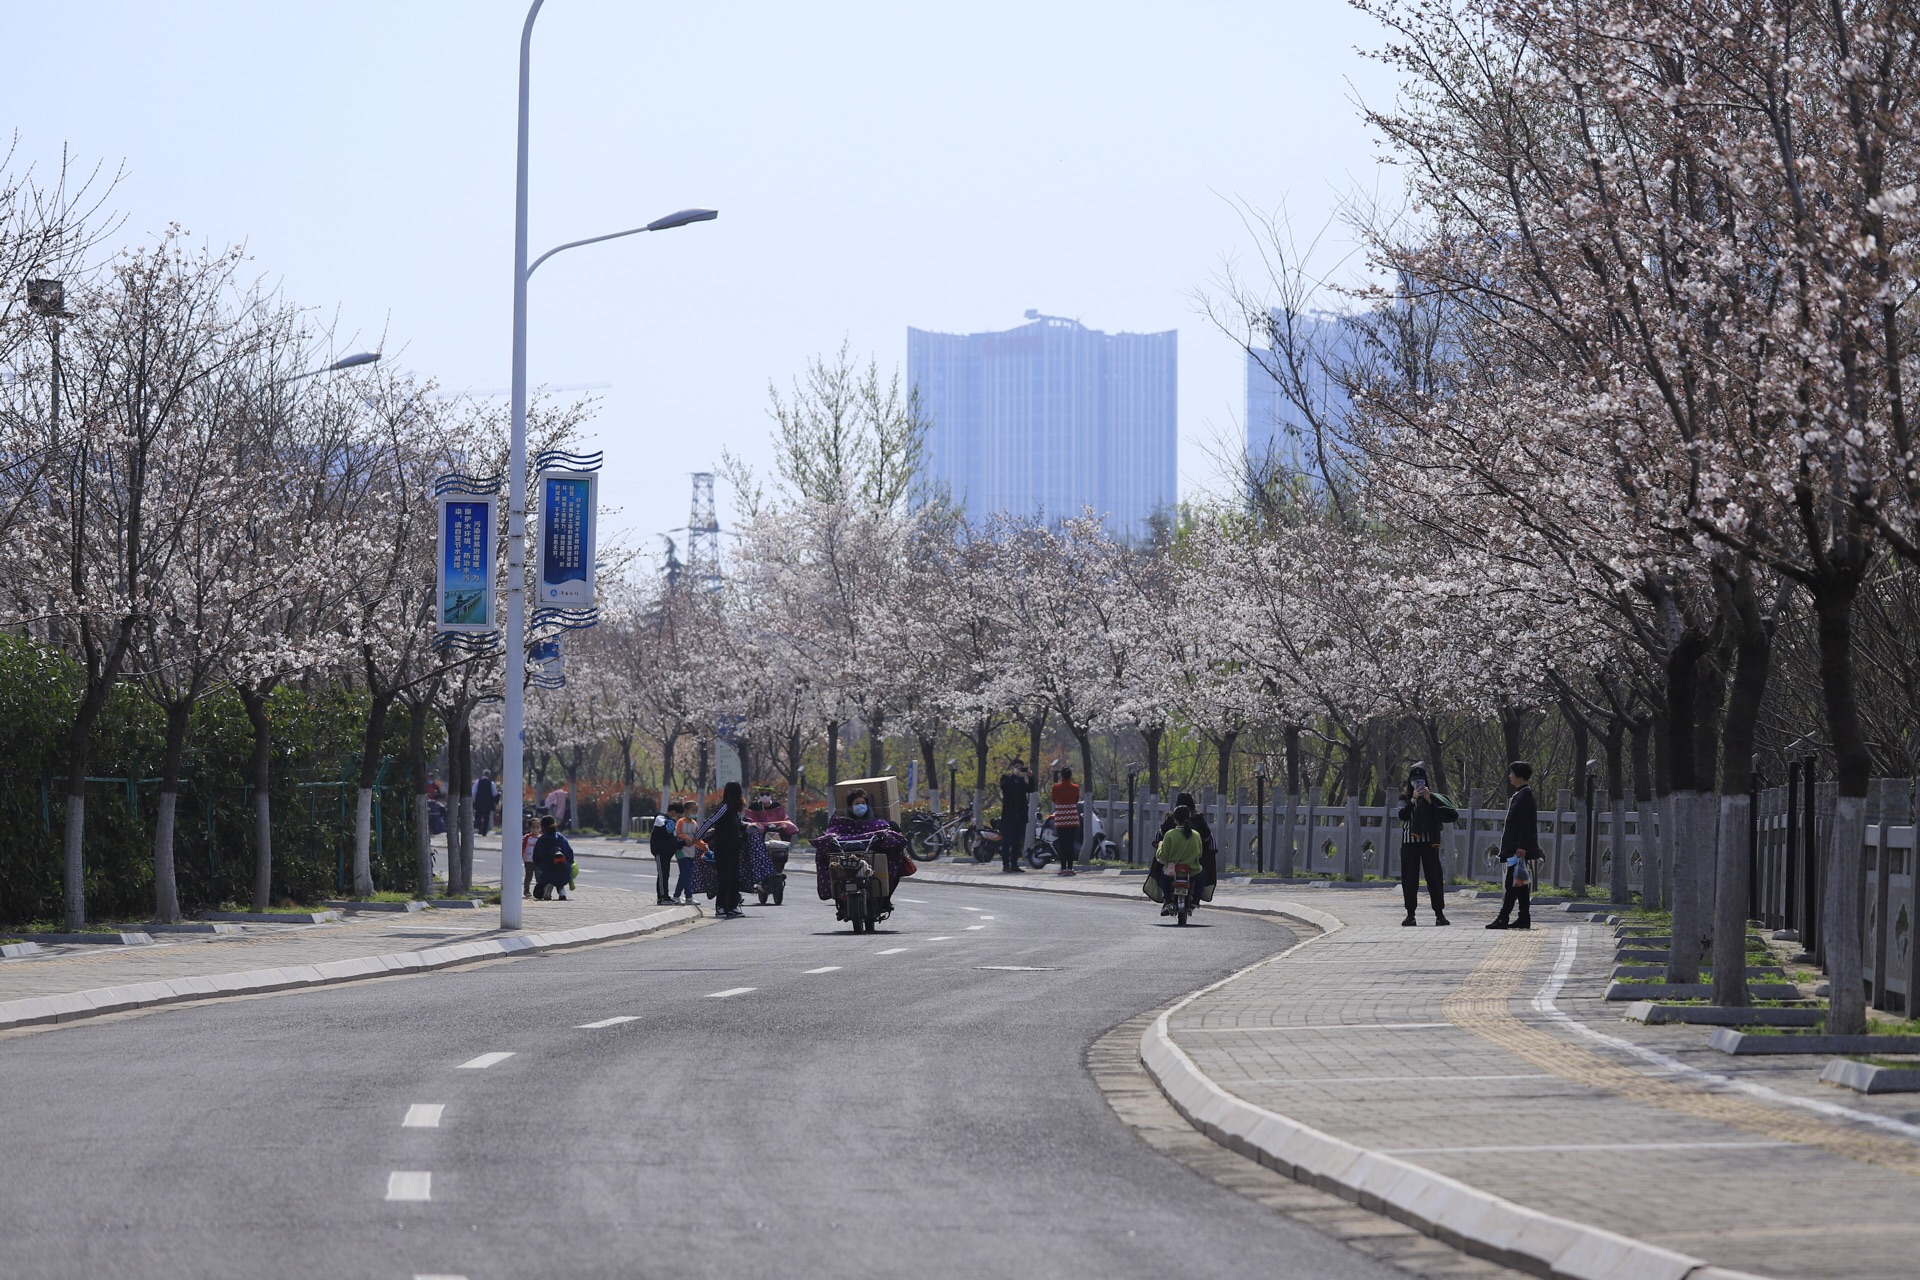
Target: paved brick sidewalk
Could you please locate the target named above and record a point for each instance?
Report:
(60, 970)
(1492, 1059)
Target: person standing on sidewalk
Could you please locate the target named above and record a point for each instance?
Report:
(1519, 847)
(664, 841)
(1424, 814)
(726, 835)
(1066, 820)
(528, 839)
(688, 830)
(1016, 786)
(484, 798)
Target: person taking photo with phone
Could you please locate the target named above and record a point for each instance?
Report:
(1424, 814)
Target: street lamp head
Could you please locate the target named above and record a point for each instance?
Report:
(354, 361)
(47, 297)
(682, 218)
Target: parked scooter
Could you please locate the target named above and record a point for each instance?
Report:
(1046, 842)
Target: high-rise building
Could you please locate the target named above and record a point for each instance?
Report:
(1280, 438)
(1050, 418)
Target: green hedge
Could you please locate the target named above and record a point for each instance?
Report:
(316, 754)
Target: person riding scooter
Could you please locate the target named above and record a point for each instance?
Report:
(1180, 852)
(859, 820)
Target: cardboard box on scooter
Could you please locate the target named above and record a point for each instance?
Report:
(882, 793)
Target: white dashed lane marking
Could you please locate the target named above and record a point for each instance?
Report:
(972, 927)
(730, 991)
(614, 1021)
(915, 901)
(986, 917)
(826, 968)
(890, 951)
(484, 1061)
(423, 1115)
(408, 1184)
(945, 937)
(435, 1275)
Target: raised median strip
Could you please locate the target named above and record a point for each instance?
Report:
(73, 1006)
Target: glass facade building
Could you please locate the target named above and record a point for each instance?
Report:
(1050, 418)
(1279, 439)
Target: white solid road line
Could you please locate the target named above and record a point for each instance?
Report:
(614, 1021)
(890, 951)
(826, 968)
(423, 1115)
(408, 1184)
(484, 1061)
(730, 991)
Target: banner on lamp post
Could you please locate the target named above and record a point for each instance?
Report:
(568, 510)
(465, 598)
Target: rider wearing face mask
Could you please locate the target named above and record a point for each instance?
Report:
(860, 819)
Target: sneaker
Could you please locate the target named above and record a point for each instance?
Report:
(1409, 922)
(1441, 922)
(1499, 924)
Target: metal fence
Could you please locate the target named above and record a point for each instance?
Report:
(1306, 837)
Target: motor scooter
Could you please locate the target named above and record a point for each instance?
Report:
(1181, 899)
(857, 877)
(1046, 842)
(779, 834)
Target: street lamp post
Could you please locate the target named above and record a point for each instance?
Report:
(512, 760)
(1260, 821)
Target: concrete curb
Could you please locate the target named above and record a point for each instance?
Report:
(1476, 1221)
(1864, 1077)
(1728, 1040)
(72, 1006)
(1321, 920)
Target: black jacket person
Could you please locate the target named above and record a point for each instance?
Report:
(1424, 815)
(1519, 848)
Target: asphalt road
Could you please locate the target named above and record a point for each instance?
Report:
(881, 1106)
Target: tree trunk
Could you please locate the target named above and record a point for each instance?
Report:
(363, 843)
(1709, 703)
(422, 823)
(1223, 747)
(1732, 883)
(833, 760)
(1084, 736)
(1035, 728)
(1683, 955)
(1618, 890)
(260, 774)
(166, 891)
(374, 735)
(1152, 737)
(932, 766)
(982, 730)
(1436, 751)
(1290, 739)
(1840, 915)
(876, 748)
(1513, 724)
(1656, 875)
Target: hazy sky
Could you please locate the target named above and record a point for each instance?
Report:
(876, 166)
